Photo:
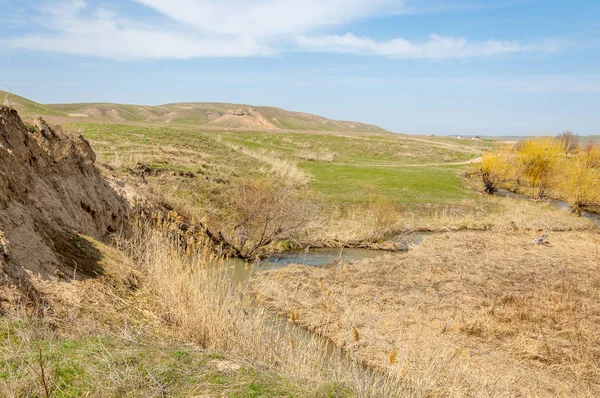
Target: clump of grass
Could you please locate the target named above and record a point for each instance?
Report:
(315, 156)
(135, 364)
(283, 168)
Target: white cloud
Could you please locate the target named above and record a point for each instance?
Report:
(437, 47)
(237, 28)
(102, 33)
(269, 17)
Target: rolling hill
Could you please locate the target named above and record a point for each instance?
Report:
(221, 115)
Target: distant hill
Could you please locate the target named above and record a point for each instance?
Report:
(27, 107)
(236, 116)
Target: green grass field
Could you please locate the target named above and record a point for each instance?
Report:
(357, 168)
(400, 184)
(340, 167)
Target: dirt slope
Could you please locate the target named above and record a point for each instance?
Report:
(50, 191)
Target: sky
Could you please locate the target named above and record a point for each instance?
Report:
(487, 67)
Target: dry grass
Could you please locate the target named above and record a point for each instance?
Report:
(282, 168)
(465, 314)
(380, 219)
(157, 332)
(192, 292)
(314, 156)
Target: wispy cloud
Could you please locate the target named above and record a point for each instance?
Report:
(436, 47)
(270, 17)
(74, 28)
(238, 28)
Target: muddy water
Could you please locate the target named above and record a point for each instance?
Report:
(241, 270)
(557, 204)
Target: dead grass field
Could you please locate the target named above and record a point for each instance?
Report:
(464, 314)
(378, 220)
(161, 326)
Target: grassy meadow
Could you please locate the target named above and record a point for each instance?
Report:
(477, 309)
(342, 168)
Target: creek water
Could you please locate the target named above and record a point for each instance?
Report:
(241, 270)
(556, 203)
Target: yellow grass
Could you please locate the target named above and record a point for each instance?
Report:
(193, 293)
(368, 222)
(466, 314)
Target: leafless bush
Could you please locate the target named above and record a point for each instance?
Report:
(568, 141)
(263, 212)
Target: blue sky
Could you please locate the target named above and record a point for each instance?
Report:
(498, 67)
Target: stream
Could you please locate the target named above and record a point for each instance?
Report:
(241, 270)
(314, 257)
(556, 203)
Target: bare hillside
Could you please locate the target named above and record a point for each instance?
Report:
(222, 115)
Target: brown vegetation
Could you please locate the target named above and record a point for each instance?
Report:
(465, 314)
(264, 212)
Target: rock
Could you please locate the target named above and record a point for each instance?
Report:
(225, 366)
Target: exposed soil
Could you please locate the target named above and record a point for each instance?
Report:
(243, 118)
(50, 192)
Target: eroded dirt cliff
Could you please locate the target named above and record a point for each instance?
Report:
(50, 192)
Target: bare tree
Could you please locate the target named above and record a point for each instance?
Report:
(264, 212)
(568, 141)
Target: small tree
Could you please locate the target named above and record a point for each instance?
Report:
(581, 180)
(568, 141)
(264, 211)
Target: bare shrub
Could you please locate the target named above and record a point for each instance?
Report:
(264, 211)
(568, 141)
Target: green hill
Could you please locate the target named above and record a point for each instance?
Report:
(213, 114)
(221, 115)
(27, 107)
